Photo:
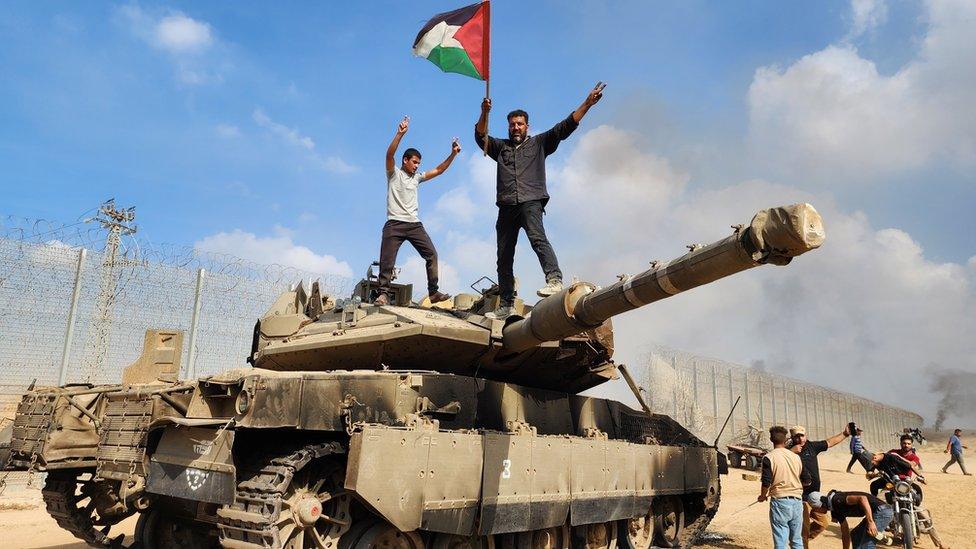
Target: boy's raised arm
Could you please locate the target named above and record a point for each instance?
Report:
(442, 167)
(391, 150)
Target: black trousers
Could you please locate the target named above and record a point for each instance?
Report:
(394, 233)
(528, 216)
(852, 462)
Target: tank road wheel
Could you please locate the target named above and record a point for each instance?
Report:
(637, 532)
(383, 535)
(159, 529)
(83, 506)
(602, 535)
(454, 541)
(556, 537)
(294, 501)
(668, 521)
(315, 507)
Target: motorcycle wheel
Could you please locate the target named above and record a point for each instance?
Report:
(907, 531)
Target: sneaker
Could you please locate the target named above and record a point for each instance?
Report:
(437, 297)
(550, 288)
(500, 313)
(381, 300)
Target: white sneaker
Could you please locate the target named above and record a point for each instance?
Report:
(551, 287)
(500, 313)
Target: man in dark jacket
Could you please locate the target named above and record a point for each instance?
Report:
(521, 194)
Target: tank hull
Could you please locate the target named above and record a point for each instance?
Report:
(424, 452)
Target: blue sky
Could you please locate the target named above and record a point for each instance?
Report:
(259, 129)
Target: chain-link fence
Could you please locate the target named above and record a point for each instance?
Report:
(74, 306)
(699, 392)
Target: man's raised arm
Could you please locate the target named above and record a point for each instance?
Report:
(591, 99)
(395, 144)
(481, 127)
(834, 440)
(442, 167)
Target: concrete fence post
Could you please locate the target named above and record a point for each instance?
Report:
(745, 391)
(72, 312)
(731, 401)
(194, 324)
(715, 399)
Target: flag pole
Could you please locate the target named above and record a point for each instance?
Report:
(486, 51)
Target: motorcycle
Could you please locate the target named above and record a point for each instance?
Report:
(905, 498)
(917, 435)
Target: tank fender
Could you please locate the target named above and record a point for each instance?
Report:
(194, 463)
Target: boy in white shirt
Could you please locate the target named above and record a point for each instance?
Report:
(401, 214)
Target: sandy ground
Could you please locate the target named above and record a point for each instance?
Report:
(952, 498)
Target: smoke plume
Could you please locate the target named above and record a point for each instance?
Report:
(955, 388)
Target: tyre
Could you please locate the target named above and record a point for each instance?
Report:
(668, 521)
(735, 460)
(752, 463)
(907, 530)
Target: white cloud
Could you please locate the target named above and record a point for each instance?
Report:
(181, 34)
(832, 113)
(414, 271)
(227, 131)
(867, 15)
(189, 42)
(289, 134)
(329, 163)
(277, 249)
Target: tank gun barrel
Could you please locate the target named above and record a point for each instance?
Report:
(775, 235)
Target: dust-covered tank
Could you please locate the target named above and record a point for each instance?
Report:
(401, 425)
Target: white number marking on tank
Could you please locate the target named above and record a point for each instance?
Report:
(506, 468)
(195, 478)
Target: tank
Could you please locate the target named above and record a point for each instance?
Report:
(402, 425)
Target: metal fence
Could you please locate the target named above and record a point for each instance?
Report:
(699, 392)
(74, 305)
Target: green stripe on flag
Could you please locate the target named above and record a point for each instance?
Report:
(453, 60)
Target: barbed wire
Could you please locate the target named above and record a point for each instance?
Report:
(154, 286)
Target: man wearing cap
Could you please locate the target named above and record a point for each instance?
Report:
(808, 450)
(783, 487)
(843, 505)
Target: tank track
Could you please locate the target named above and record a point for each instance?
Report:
(693, 531)
(250, 522)
(61, 502)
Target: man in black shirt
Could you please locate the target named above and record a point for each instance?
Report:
(843, 505)
(521, 194)
(808, 451)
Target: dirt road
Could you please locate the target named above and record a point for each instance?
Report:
(952, 499)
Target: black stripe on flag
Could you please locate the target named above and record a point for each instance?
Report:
(457, 17)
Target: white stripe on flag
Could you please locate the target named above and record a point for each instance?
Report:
(441, 34)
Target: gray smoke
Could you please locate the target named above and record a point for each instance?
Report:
(955, 389)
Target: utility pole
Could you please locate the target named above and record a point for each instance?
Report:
(118, 223)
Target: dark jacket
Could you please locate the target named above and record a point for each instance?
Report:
(522, 169)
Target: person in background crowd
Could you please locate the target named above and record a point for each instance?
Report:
(781, 485)
(808, 450)
(843, 505)
(955, 448)
(856, 448)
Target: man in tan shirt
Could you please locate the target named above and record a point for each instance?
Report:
(781, 485)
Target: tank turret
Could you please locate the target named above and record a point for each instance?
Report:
(563, 343)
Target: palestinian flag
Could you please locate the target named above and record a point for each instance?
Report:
(457, 41)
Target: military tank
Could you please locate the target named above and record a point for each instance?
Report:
(357, 426)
